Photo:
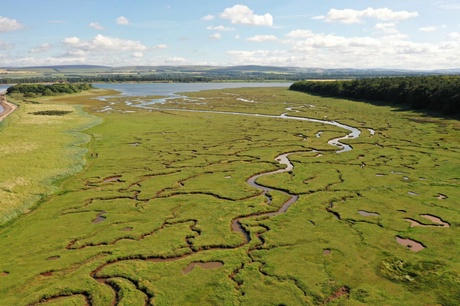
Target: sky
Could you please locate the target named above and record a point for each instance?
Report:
(392, 34)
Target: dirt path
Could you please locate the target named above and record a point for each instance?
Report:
(8, 107)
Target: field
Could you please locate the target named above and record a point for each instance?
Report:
(124, 205)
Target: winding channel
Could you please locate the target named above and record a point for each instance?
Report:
(236, 224)
(282, 159)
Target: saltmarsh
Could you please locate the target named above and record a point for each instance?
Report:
(160, 187)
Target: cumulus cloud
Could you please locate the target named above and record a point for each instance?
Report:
(101, 43)
(208, 18)
(7, 25)
(431, 28)
(262, 38)
(122, 20)
(454, 36)
(300, 34)
(175, 60)
(241, 14)
(96, 26)
(138, 54)
(161, 46)
(220, 28)
(71, 40)
(350, 16)
(388, 28)
(215, 36)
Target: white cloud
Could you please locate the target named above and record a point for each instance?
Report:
(7, 25)
(432, 28)
(101, 43)
(42, 48)
(161, 46)
(350, 16)
(220, 28)
(388, 28)
(72, 40)
(262, 38)
(454, 36)
(215, 36)
(175, 60)
(208, 18)
(300, 34)
(96, 26)
(241, 14)
(428, 29)
(138, 54)
(122, 20)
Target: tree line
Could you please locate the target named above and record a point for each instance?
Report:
(38, 90)
(434, 93)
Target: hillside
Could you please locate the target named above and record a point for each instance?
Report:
(93, 73)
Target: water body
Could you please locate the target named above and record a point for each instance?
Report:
(3, 88)
(172, 90)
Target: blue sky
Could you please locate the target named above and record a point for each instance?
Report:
(408, 34)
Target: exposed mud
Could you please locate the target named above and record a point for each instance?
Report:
(100, 217)
(438, 222)
(54, 257)
(412, 245)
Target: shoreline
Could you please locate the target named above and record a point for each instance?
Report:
(8, 108)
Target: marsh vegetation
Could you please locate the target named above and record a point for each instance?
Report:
(144, 215)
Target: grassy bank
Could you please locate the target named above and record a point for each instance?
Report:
(38, 149)
(161, 187)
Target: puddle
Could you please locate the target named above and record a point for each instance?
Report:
(368, 214)
(228, 177)
(327, 251)
(135, 144)
(318, 135)
(380, 174)
(100, 217)
(413, 193)
(204, 265)
(54, 257)
(414, 246)
(441, 196)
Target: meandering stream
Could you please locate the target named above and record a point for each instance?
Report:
(282, 159)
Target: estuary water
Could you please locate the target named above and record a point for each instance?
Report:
(172, 90)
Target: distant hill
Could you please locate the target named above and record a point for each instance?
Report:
(191, 73)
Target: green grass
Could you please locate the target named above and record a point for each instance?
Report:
(169, 183)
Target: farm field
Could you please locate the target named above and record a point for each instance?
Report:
(121, 202)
